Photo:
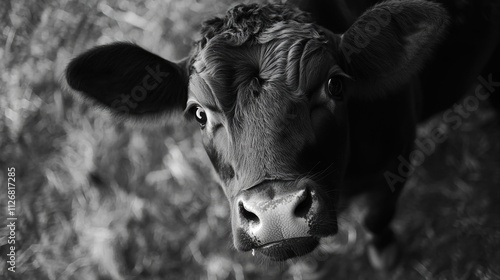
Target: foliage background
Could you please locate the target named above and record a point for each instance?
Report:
(97, 199)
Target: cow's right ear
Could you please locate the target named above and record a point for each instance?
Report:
(129, 81)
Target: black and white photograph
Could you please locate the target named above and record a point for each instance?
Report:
(252, 139)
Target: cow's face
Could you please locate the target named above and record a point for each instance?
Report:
(273, 118)
(269, 90)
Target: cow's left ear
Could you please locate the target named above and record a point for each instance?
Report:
(128, 81)
(389, 43)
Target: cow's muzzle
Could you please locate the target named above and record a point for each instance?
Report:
(281, 219)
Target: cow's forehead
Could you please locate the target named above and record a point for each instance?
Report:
(254, 50)
(236, 76)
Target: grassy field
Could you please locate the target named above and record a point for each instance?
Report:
(97, 199)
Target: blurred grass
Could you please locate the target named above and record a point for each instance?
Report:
(104, 200)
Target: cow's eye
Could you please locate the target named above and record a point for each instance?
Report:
(335, 88)
(200, 116)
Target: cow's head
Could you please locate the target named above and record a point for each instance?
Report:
(269, 89)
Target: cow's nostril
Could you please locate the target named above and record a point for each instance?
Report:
(247, 215)
(304, 205)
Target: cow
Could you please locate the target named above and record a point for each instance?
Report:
(298, 111)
